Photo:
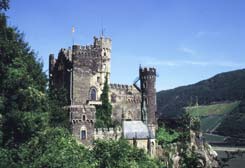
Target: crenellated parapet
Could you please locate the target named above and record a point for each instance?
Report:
(100, 46)
(147, 72)
(103, 42)
(126, 93)
(121, 87)
(81, 114)
(108, 133)
(88, 50)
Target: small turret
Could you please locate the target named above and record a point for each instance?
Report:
(105, 51)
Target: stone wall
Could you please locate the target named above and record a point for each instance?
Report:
(60, 71)
(82, 117)
(147, 144)
(125, 100)
(91, 64)
(107, 133)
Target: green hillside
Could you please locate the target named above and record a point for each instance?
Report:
(234, 123)
(224, 119)
(212, 115)
(228, 86)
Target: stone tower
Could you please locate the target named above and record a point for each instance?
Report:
(81, 71)
(148, 92)
(91, 64)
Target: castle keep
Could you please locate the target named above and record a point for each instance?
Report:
(81, 71)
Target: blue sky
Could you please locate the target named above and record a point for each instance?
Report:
(186, 40)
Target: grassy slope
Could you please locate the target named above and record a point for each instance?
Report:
(214, 109)
(212, 115)
(234, 123)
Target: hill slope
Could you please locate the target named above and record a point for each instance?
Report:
(234, 123)
(228, 86)
(211, 116)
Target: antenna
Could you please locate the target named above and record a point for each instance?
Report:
(102, 28)
(102, 31)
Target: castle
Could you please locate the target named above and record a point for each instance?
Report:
(82, 71)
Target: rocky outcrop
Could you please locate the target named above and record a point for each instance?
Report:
(192, 153)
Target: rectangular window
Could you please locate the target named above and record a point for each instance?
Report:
(83, 134)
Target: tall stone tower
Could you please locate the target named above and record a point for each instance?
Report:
(91, 64)
(148, 92)
(81, 71)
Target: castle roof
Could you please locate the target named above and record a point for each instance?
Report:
(136, 130)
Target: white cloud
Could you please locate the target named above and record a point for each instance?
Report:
(200, 34)
(206, 33)
(153, 61)
(187, 50)
(172, 63)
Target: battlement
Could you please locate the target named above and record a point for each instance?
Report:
(64, 53)
(107, 130)
(147, 71)
(99, 43)
(102, 42)
(120, 86)
(107, 133)
(78, 49)
(79, 107)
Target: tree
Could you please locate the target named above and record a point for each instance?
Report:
(22, 86)
(57, 114)
(103, 112)
(54, 147)
(164, 136)
(4, 5)
(120, 154)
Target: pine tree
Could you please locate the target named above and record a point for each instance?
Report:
(103, 112)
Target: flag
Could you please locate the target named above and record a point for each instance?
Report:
(73, 29)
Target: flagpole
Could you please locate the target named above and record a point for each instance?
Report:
(72, 35)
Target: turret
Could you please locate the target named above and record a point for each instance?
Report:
(148, 92)
(105, 48)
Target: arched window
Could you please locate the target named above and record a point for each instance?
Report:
(93, 94)
(113, 98)
(83, 133)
